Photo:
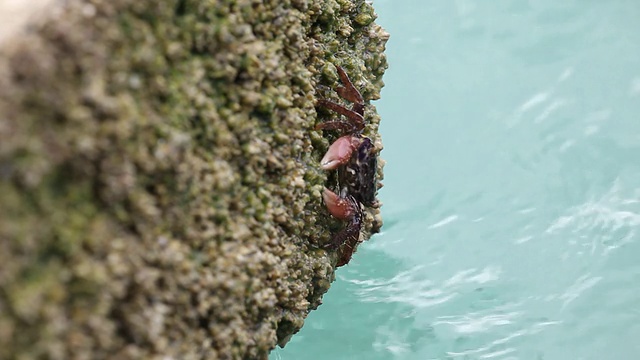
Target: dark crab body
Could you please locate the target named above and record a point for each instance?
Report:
(359, 174)
(355, 158)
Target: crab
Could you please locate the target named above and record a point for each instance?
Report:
(344, 207)
(355, 158)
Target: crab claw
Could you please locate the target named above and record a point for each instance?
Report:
(339, 152)
(338, 207)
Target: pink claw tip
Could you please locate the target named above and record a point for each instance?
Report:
(339, 153)
(338, 207)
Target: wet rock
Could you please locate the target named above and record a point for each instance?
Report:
(159, 173)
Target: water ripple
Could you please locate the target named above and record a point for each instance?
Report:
(512, 191)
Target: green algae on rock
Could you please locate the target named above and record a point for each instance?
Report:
(159, 172)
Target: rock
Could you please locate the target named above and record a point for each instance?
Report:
(159, 172)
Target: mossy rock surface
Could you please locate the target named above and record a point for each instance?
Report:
(159, 173)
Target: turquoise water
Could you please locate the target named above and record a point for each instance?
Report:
(512, 189)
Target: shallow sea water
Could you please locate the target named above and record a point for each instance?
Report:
(512, 189)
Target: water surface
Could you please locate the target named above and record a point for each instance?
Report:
(512, 189)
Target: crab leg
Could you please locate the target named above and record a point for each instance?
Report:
(357, 120)
(343, 126)
(349, 91)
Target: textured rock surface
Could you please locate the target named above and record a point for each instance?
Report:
(159, 178)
